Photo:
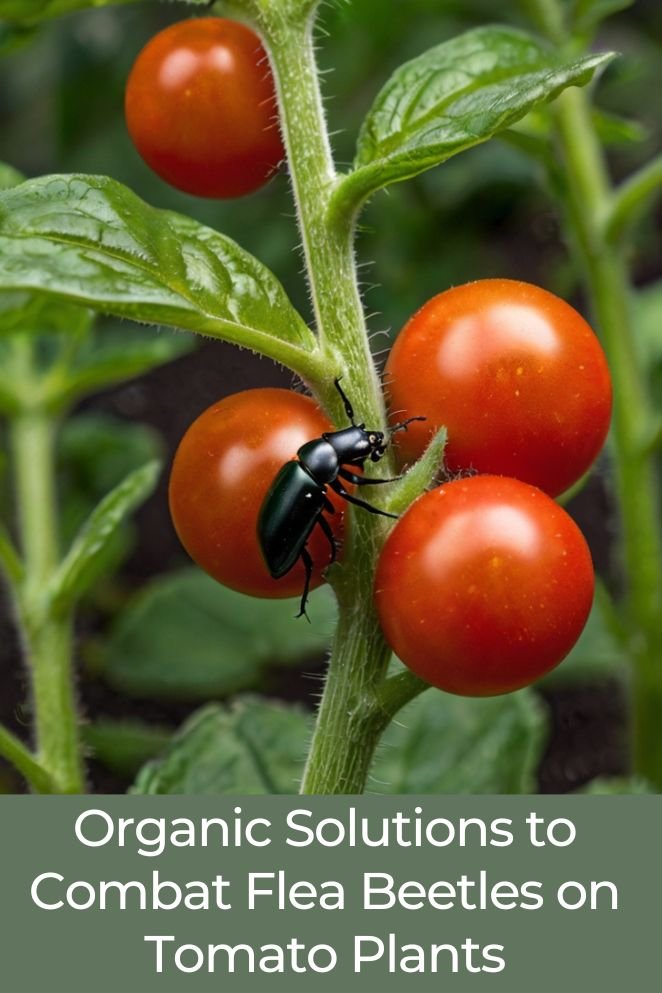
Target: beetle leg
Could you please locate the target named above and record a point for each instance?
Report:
(328, 506)
(324, 524)
(338, 487)
(353, 477)
(308, 566)
(349, 410)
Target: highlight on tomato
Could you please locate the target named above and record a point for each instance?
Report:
(514, 373)
(484, 585)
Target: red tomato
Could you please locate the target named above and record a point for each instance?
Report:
(516, 375)
(484, 585)
(222, 471)
(201, 108)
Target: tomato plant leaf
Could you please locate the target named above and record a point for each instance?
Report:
(453, 97)
(186, 636)
(441, 743)
(92, 241)
(78, 569)
(254, 747)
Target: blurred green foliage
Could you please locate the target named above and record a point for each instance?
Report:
(440, 744)
(251, 747)
(187, 637)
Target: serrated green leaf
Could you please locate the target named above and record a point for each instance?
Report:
(78, 570)
(126, 745)
(92, 241)
(449, 744)
(185, 636)
(453, 97)
(254, 747)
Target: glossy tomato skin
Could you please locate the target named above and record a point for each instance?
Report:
(201, 109)
(484, 585)
(515, 374)
(223, 468)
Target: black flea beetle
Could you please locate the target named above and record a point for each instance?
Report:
(297, 499)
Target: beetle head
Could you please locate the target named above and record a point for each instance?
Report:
(377, 445)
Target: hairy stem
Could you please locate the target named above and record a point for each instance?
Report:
(399, 690)
(327, 245)
(47, 638)
(347, 729)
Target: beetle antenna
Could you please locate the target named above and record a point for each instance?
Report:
(349, 410)
(402, 426)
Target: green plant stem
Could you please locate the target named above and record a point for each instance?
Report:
(589, 194)
(347, 727)
(15, 752)
(327, 244)
(46, 635)
(397, 691)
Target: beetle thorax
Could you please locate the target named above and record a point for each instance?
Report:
(320, 459)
